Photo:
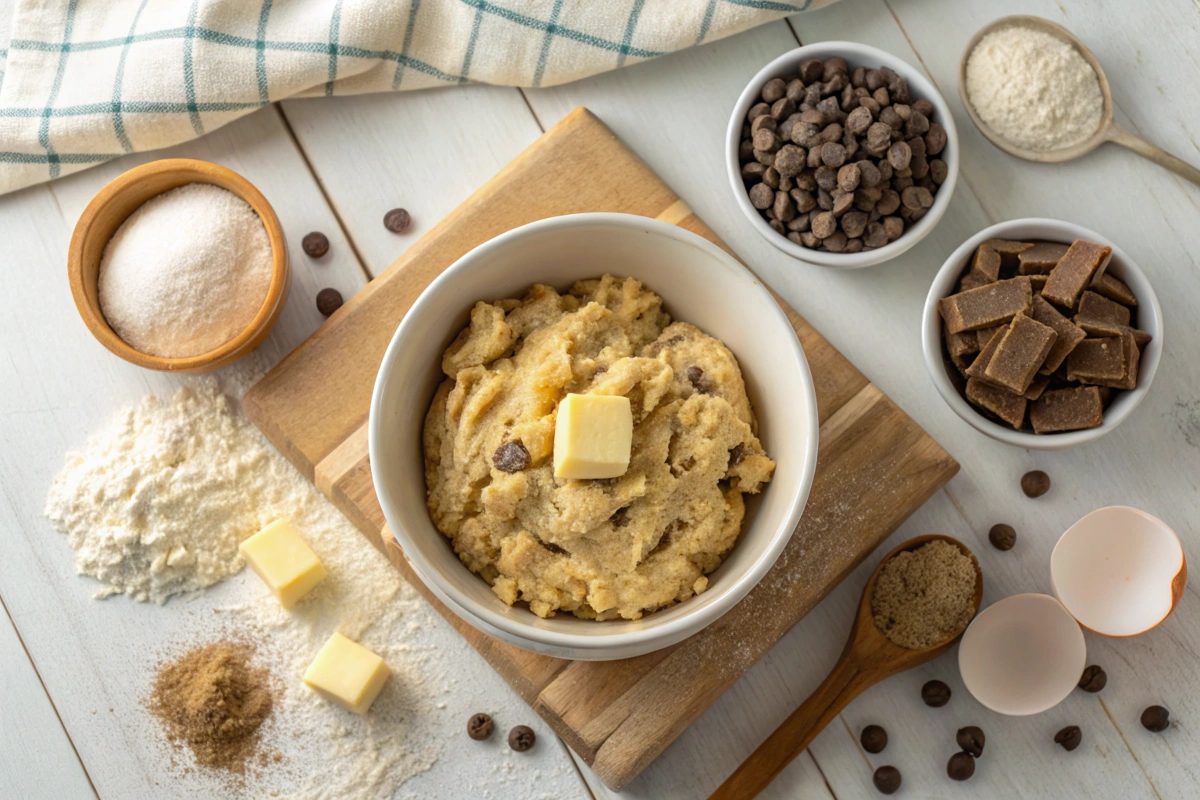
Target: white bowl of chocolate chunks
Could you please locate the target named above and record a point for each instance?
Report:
(1041, 333)
(842, 155)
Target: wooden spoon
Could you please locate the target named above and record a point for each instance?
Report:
(1109, 131)
(868, 658)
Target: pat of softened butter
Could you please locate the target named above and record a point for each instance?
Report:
(284, 561)
(347, 673)
(592, 436)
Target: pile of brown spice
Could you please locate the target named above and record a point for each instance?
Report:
(924, 596)
(212, 700)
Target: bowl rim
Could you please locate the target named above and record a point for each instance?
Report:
(911, 235)
(194, 171)
(512, 628)
(931, 337)
(1039, 597)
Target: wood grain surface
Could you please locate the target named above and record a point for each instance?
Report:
(875, 465)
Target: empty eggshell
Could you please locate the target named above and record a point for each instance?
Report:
(1022, 655)
(1119, 571)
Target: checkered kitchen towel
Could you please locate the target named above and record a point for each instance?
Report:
(84, 81)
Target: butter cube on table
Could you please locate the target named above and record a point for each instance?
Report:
(347, 673)
(592, 436)
(284, 561)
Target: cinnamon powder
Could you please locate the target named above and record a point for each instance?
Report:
(213, 701)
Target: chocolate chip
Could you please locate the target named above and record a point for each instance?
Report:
(773, 90)
(397, 220)
(737, 454)
(521, 738)
(695, 376)
(935, 694)
(480, 726)
(961, 766)
(1035, 483)
(887, 780)
(762, 196)
(1069, 737)
(328, 301)
(315, 244)
(1156, 718)
(1094, 679)
(874, 739)
(1002, 536)
(511, 457)
(971, 740)
(620, 518)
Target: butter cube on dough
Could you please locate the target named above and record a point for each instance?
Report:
(284, 561)
(592, 436)
(347, 673)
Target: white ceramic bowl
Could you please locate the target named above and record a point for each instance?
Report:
(855, 55)
(1149, 319)
(1022, 655)
(701, 284)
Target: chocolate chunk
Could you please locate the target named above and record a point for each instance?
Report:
(1004, 404)
(1002, 537)
(874, 739)
(1037, 387)
(1020, 353)
(935, 694)
(1094, 679)
(397, 220)
(986, 263)
(1082, 263)
(511, 457)
(736, 454)
(1069, 409)
(992, 304)
(1069, 334)
(1100, 316)
(315, 244)
(1041, 258)
(960, 767)
(1114, 289)
(887, 780)
(1069, 737)
(961, 344)
(1097, 361)
(480, 726)
(521, 738)
(1156, 719)
(971, 740)
(328, 301)
(1035, 483)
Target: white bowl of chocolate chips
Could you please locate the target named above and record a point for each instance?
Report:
(1041, 333)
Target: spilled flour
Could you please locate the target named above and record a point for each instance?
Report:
(157, 504)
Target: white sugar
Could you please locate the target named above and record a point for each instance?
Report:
(186, 273)
(1034, 89)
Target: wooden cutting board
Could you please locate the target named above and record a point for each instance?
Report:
(875, 465)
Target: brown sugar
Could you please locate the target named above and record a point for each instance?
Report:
(925, 596)
(213, 701)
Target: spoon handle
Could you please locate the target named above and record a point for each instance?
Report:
(1153, 152)
(790, 739)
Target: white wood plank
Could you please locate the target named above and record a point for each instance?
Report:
(424, 151)
(36, 757)
(97, 658)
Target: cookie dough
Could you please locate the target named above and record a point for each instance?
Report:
(601, 549)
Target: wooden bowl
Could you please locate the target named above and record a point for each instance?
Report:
(113, 204)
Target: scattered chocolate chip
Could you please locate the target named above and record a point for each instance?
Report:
(960, 767)
(620, 518)
(329, 301)
(935, 694)
(480, 726)
(887, 780)
(971, 740)
(695, 377)
(553, 548)
(1069, 737)
(874, 739)
(521, 738)
(315, 244)
(1156, 718)
(1002, 536)
(1035, 483)
(511, 457)
(397, 220)
(1094, 679)
(737, 454)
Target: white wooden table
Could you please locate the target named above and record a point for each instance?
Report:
(72, 670)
